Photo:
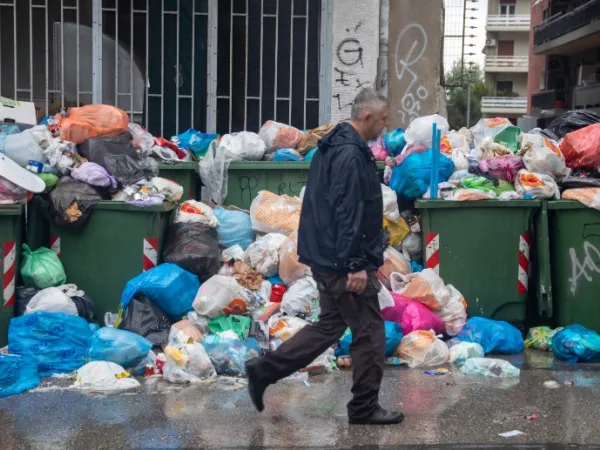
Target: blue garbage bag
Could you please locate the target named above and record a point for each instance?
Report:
(17, 374)
(275, 280)
(56, 342)
(412, 177)
(493, 335)
(170, 287)
(576, 343)
(394, 141)
(393, 336)
(121, 347)
(311, 154)
(195, 141)
(229, 356)
(235, 228)
(286, 154)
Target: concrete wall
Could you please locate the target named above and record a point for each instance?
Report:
(355, 50)
(414, 61)
(521, 40)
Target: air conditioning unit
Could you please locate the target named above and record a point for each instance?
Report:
(490, 42)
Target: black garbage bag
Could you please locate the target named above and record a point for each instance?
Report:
(193, 247)
(572, 121)
(72, 201)
(22, 298)
(85, 307)
(146, 319)
(117, 155)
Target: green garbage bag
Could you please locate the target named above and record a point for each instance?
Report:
(42, 268)
(240, 325)
(485, 184)
(540, 338)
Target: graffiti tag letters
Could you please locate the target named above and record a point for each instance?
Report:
(585, 268)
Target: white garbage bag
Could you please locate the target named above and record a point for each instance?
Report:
(235, 253)
(420, 130)
(53, 300)
(385, 298)
(221, 295)
(187, 363)
(284, 327)
(300, 298)
(536, 185)
(461, 351)
(543, 155)
(242, 146)
(390, 203)
(104, 376)
(423, 349)
(489, 128)
(263, 254)
(192, 211)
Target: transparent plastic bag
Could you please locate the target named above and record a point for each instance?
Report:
(461, 351)
(536, 185)
(41, 268)
(493, 335)
(393, 262)
(427, 288)
(589, 196)
(284, 327)
(300, 297)
(121, 347)
(104, 376)
(184, 332)
(187, 363)
(235, 228)
(272, 213)
(90, 121)
(228, 356)
(419, 131)
(540, 338)
(290, 268)
(278, 135)
(213, 171)
(221, 295)
(196, 212)
(22, 148)
(489, 128)
(489, 367)
(423, 349)
(242, 146)
(542, 155)
(390, 204)
(263, 254)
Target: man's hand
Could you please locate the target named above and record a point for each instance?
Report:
(357, 282)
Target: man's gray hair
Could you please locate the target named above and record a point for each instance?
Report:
(366, 98)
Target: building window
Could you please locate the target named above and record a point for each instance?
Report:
(504, 88)
(508, 7)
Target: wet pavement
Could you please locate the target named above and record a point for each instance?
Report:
(449, 411)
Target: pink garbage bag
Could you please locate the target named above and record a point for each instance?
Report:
(412, 315)
(502, 167)
(94, 174)
(378, 149)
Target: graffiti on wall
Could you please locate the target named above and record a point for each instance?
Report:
(584, 268)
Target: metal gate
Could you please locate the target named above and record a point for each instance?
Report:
(159, 59)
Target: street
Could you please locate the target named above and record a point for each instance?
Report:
(450, 410)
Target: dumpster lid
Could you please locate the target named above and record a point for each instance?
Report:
(440, 204)
(10, 209)
(183, 165)
(566, 204)
(272, 165)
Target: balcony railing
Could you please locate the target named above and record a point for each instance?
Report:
(587, 96)
(562, 24)
(515, 21)
(504, 103)
(551, 99)
(507, 63)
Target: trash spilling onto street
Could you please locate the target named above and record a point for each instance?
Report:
(218, 285)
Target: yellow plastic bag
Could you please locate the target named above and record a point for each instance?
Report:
(398, 230)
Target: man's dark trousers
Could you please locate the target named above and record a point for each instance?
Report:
(339, 309)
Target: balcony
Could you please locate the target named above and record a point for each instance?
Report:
(550, 99)
(507, 64)
(587, 97)
(504, 22)
(572, 32)
(504, 105)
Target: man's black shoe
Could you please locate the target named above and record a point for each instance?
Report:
(256, 387)
(380, 417)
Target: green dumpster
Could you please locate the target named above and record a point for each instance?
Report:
(185, 174)
(246, 179)
(483, 249)
(118, 242)
(37, 228)
(575, 263)
(10, 242)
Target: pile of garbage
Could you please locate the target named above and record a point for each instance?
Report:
(494, 160)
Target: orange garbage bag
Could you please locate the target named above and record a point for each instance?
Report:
(272, 213)
(311, 138)
(290, 268)
(92, 121)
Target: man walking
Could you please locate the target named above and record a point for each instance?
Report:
(341, 240)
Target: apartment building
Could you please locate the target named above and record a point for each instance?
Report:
(507, 58)
(565, 58)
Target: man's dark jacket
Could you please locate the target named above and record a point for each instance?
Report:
(342, 211)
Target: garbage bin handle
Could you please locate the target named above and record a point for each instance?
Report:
(544, 288)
